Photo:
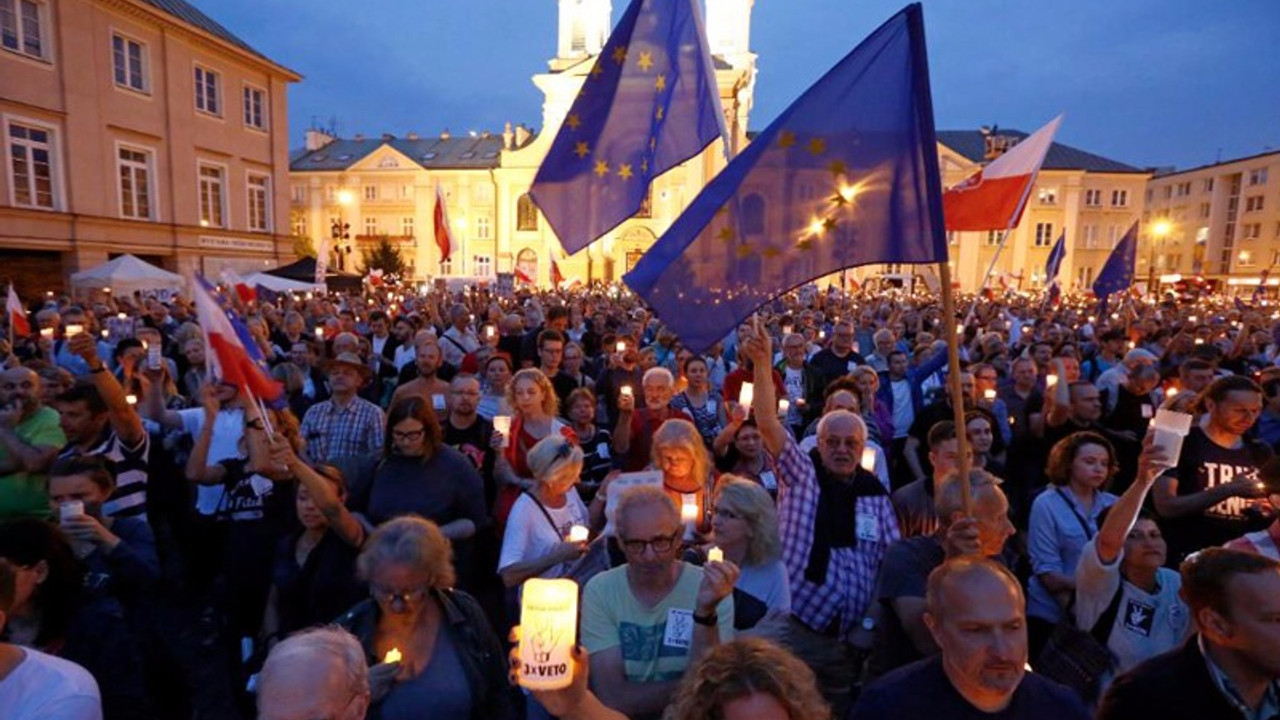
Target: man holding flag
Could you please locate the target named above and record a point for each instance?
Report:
(1051, 268)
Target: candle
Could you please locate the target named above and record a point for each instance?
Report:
(488, 331)
(715, 554)
(1050, 380)
(131, 399)
(502, 423)
(1192, 319)
(319, 333)
(621, 346)
(46, 333)
(121, 316)
(989, 394)
(1170, 391)
(625, 391)
(393, 656)
(784, 406)
(1199, 341)
(578, 533)
(105, 332)
(869, 459)
(746, 394)
(74, 329)
(548, 632)
(786, 329)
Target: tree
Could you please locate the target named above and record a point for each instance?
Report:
(385, 257)
(302, 245)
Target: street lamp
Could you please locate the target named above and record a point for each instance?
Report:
(1160, 229)
(340, 232)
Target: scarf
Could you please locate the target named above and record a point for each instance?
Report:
(833, 525)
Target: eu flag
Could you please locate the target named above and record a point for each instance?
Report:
(1056, 256)
(649, 103)
(846, 176)
(1117, 274)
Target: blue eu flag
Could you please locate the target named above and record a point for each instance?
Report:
(1056, 255)
(649, 103)
(846, 176)
(1117, 274)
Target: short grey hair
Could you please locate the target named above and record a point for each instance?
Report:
(640, 496)
(824, 424)
(308, 649)
(948, 499)
(658, 371)
(409, 540)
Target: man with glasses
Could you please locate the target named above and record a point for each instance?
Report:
(646, 622)
(840, 359)
(803, 383)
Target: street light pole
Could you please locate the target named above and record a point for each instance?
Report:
(1159, 231)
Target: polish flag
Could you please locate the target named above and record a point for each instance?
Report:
(244, 290)
(522, 277)
(226, 353)
(557, 278)
(444, 239)
(17, 315)
(993, 198)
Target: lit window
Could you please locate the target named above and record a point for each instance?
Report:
(482, 265)
(1048, 196)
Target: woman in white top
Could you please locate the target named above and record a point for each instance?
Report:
(535, 543)
(745, 523)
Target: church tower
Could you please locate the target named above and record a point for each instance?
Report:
(729, 38)
(729, 29)
(584, 28)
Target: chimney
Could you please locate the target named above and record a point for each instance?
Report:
(444, 135)
(522, 135)
(412, 136)
(358, 137)
(388, 137)
(507, 136)
(317, 139)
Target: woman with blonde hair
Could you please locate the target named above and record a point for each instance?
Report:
(745, 525)
(450, 661)
(535, 542)
(688, 474)
(747, 679)
(536, 405)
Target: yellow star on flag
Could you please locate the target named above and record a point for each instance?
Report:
(574, 122)
(661, 83)
(725, 234)
(653, 142)
(786, 139)
(837, 167)
(620, 54)
(659, 113)
(624, 171)
(743, 251)
(596, 70)
(646, 60)
(602, 168)
(644, 166)
(817, 146)
(581, 149)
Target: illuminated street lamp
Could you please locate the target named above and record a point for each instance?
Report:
(341, 230)
(1160, 229)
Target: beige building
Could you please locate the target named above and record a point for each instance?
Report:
(138, 126)
(1220, 222)
(386, 187)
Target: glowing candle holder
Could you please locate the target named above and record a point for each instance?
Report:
(393, 656)
(578, 533)
(46, 333)
(131, 399)
(989, 394)
(626, 391)
(1170, 391)
(502, 425)
(1050, 380)
(488, 331)
(548, 632)
(784, 406)
(73, 330)
(715, 554)
(869, 459)
(746, 394)
(621, 347)
(121, 316)
(689, 516)
(319, 333)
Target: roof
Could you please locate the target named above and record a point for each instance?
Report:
(454, 153)
(972, 145)
(192, 15)
(1167, 172)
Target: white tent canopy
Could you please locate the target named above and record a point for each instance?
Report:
(126, 275)
(279, 284)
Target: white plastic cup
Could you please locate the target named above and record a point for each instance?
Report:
(502, 424)
(70, 509)
(1168, 429)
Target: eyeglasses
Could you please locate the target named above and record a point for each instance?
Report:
(660, 544)
(835, 443)
(407, 434)
(406, 597)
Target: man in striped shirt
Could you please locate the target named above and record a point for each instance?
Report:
(97, 419)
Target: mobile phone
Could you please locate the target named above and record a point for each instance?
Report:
(153, 357)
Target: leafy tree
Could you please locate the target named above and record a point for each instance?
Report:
(385, 257)
(302, 245)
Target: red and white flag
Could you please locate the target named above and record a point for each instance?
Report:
(522, 277)
(244, 290)
(557, 278)
(227, 356)
(444, 238)
(993, 198)
(18, 322)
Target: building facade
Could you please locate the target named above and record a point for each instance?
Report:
(137, 126)
(1220, 222)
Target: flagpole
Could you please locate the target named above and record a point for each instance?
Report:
(953, 383)
(1004, 236)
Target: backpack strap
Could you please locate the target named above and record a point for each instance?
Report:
(1101, 630)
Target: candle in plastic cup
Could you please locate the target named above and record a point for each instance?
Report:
(70, 509)
(131, 399)
(548, 632)
(502, 423)
(1050, 380)
(1168, 429)
(746, 394)
(715, 554)
(393, 656)
(625, 391)
(620, 347)
(46, 333)
(869, 459)
(784, 406)
(989, 394)
(578, 533)
(488, 331)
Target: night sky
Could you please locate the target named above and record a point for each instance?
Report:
(1147, 82)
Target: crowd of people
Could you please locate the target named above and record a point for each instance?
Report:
(776, 527)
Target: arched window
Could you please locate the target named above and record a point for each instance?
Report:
(526, 213)
(527, 265)
(753, 215)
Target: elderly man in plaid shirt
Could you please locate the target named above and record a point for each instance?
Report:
(835, 517)
(345, 425)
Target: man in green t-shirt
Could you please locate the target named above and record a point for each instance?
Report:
(646, 622)
(29, 441)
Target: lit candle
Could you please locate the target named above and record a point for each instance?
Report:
(715, 554)
(625, 391)
(121, 316)
(74, 329)
(869, 459)
(502, 423)
(46, 333)
(393, 656)
(746, 394)
(989, 394)
(1050, 380)
(784, 406)
(1199, 341)
(621, 346)
(1193, 318)
(131, 399)
(1170, 391)
(319, 333)
(548, 632)
(488, 331)
(786, 329)
(105, 332)
(578, 533)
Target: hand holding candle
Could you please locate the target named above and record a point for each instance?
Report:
(393, 656)
(715, 554)
(746, 395)
(578, 533)
(548, 632)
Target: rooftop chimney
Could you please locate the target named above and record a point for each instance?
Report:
(388, 137)
(444, 135)
(507, 136)
(412, 136)
(317, 139)
(522, 135)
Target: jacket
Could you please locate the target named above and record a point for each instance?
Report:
(815, 386)
(916, 375)
(1172, 686)
(483, 660)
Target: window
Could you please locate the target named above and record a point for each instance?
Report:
(371, 226)
(1244, 259)
(482, 194)
(1113, 235)
(255, 107)
(446, 267)
(1258, 176)
(993, 237)
(208, 92)
(1168, 193)
(1084, 276)
(1120, 198)
(484, 227)
(300, 225)
(1208, 185)
(135, 183)
(1044, 234)
(128, 61)
(526, 213)
(406, 192)
(1048, 196)
(370, 192)
(299, 193)
(1089, 237)
(1251, 231)
(481, 265)
(1205, 209)
(259, 202)
(406, 226)
(1183, 189)
(1253, 203)
(1093, 198)
(22, 27)
(212, 196)
(646, 204)
(31, 165)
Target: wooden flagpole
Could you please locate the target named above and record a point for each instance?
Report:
(953, 384)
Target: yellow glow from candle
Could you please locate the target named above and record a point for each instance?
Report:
(548, 632)
(393, 656)
(578, 533)
(869, 459)
(746, 394)
(715, 554)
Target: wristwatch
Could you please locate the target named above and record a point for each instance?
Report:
(709, 620)
(868, 624)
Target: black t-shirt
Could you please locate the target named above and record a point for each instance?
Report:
(922, 690)
(903, 574)
(321, 589)
(473, 443)
(1205, 464)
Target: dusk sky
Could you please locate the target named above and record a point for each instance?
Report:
(1147, 82)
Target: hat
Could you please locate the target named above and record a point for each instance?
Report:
(352, 360)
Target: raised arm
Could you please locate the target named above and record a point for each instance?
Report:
(758, 348)
(124, 419)
(1122, 515)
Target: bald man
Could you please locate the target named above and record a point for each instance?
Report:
(318, 673)
(976, 614)
(30, 437)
